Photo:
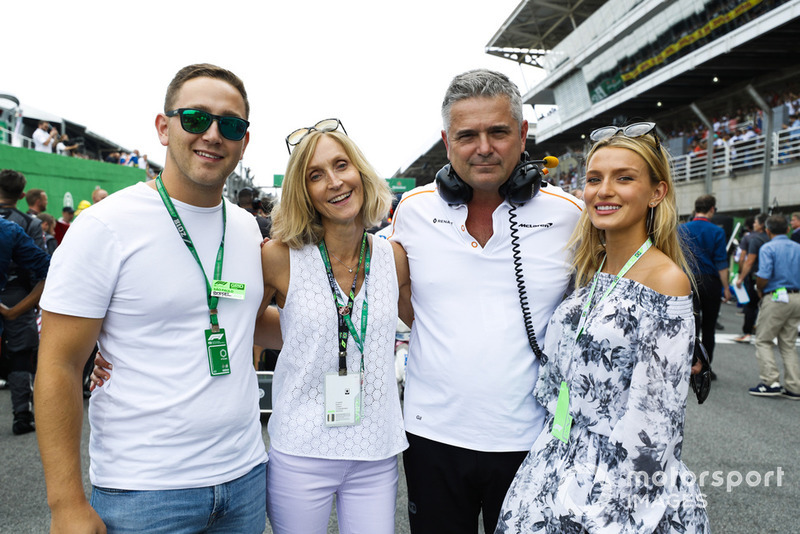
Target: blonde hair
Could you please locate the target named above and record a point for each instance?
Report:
(587, 240)
(295, 222)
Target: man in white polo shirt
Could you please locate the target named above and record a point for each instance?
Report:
(469, 410)
(176, 440)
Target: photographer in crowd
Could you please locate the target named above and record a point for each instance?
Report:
(64, 149)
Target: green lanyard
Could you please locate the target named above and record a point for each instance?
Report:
(345, 310)
(212, 301)
(562, 420)
(587, 308)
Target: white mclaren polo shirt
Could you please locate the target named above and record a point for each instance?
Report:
(471, 371)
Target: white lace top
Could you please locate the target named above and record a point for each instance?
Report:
(310, 332)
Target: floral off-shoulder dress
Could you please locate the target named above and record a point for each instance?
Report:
(628, 377)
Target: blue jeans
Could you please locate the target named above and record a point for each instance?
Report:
(236, 506)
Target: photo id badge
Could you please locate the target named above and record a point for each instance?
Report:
(562, 420)
(342, 399)
(227, 290)
(780, 295)
(217, 349)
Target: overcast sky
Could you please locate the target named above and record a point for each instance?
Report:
(381, 67)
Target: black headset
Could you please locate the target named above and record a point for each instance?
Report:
(521, 186)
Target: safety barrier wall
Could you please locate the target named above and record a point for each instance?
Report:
(65, 177)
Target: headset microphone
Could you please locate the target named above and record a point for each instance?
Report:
(550, 162)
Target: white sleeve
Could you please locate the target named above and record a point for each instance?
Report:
(83, 271)
(40, 136)
(396, 230)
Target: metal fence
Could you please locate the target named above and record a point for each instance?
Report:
(7, 137)
(739, 156)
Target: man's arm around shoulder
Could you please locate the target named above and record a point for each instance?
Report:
(65, 345)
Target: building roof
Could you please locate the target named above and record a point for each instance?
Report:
(537, 26)
(710, 78)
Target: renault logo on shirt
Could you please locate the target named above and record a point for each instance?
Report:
(442, 221)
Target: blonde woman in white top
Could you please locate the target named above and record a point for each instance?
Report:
(336, 426)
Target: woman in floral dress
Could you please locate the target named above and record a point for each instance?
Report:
(615, 375)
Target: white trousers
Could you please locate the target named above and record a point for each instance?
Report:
(300, 493)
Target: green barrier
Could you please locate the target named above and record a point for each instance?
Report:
(59, 175)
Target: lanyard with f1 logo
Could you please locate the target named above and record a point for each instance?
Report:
(216, 344)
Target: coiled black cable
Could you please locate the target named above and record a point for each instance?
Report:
(518, 274)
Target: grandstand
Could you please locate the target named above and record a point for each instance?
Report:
(71, 179)
(692, 66)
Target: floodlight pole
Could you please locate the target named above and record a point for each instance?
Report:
(767, 132)
(709, 145)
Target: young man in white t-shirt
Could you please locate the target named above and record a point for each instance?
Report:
(176, 440)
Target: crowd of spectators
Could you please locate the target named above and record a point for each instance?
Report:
(130, 159)
(48, 139)
(698, 28)
(736, 129)
(743, 124)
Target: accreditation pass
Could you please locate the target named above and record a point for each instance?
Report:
(342, 399)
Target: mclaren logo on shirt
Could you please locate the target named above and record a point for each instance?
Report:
(543, 225)
(441, 221)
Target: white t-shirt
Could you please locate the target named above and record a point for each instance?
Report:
(471, 370)
(40, 137)
(162, 421)
(310, 333)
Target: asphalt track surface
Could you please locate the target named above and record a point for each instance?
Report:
(732, 441)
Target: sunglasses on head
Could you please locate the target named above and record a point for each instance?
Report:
(637, 129)
(325, 125)
(196, 121)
